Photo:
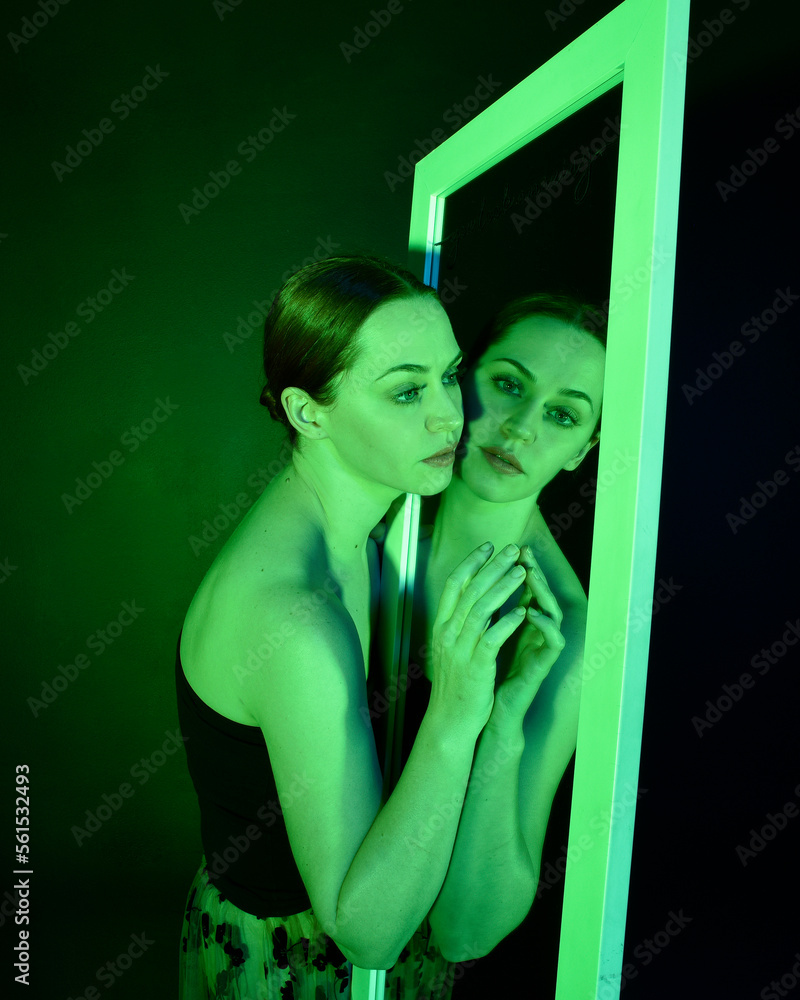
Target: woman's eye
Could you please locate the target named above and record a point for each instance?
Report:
(565, 418)
(408, 395)
(411, 395)
(506, 384)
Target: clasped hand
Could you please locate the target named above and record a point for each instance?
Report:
(538, 645)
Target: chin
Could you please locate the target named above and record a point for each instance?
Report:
(495, 489)
(433, 482)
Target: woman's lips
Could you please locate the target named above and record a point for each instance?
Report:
(502, 461)
(443, 458)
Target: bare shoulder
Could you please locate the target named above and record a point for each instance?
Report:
(256, 594)
(295, 631)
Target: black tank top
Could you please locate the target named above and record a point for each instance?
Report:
(242, 829)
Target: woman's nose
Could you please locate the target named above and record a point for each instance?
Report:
(447, 416)
(521, 424)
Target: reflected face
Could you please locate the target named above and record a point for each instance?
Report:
(400, 403)
(531, 406)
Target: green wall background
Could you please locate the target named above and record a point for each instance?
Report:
(320, 183)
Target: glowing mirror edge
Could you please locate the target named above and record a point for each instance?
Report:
(398, 567)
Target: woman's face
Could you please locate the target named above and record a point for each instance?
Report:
(531, 405)
(400, 403)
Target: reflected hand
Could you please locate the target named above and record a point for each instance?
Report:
(539, 646)
(537, 593)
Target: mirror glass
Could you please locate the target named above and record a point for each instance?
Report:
(539, 221)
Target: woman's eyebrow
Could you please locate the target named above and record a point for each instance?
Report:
(574, 393)
(417, 369)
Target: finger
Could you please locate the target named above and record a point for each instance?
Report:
(548, 629)
(527, 593)
(493, 638)
(472, 619)
(488, 589)
(540, 591)
(459, 578)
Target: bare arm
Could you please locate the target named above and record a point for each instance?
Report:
(525, 748)
(373, 873)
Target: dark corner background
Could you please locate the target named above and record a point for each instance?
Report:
(149, 398)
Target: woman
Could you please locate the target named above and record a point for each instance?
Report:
(532, 407)
(304, 871)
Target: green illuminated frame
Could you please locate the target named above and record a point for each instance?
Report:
(641, 44)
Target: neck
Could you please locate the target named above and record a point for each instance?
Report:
(344, 505)
(464, 521)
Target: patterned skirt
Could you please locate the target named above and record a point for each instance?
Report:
(227, 954)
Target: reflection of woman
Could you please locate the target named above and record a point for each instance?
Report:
(304, 870)
(532, 405)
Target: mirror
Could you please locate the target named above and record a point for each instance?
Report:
(473, 242)
(541, 220)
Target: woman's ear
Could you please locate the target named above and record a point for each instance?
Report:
(303, 413)
(573, 463)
